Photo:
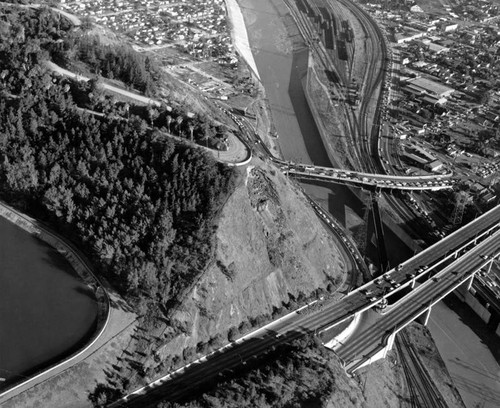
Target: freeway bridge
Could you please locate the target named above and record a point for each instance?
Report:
(369, 181)
(374, 337)
(418, 283)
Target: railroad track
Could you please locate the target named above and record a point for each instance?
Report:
(423, 392)
(311, 36)
(365, 153)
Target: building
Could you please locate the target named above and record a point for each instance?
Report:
(436, 48)
(401, 38)
(435, 165)
(429, 87)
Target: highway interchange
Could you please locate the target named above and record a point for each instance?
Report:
(461, 253)
(181, 383)
(373, 336)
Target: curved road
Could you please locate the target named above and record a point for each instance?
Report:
(237, 153)
(77, 261)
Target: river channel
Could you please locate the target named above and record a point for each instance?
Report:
(281, 59)
(46, 311)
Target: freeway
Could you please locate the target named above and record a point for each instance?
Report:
(324, 314)
(429, 259)
(368, 180)
(367, 340)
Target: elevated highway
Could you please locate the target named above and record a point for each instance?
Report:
(373, 339)
(367, 180)
(457, 256)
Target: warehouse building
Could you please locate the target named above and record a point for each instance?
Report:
(429, 87)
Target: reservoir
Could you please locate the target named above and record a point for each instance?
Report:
(46, 311)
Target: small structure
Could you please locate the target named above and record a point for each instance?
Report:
(435, 165)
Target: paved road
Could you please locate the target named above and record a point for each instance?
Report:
(237, 152)
(72, 18)
(190, 377)
(111, 88)
(108, 331)
(367, 339)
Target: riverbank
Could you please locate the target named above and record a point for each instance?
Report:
(239, 35)
(81, 266)
(281, 72)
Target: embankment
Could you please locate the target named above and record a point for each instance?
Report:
(83, 269)
(270, 248)
(240, 36)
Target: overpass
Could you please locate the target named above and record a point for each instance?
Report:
(367, 180)
(458, 256)
(375, 335)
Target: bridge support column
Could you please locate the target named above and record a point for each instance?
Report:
(469, 282)
(424, 318)
(390, 342)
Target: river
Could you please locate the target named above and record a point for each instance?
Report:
(281, 70)
(46, 311)
(281, 59)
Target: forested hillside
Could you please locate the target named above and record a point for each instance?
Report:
(297, 375)
(141, 205)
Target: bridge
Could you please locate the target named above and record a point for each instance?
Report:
(369, 181)
(375, 335)
(419, 283)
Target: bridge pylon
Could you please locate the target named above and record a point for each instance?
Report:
(361, 235)
(462, 198)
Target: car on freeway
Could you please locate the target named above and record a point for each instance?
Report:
(378, 281)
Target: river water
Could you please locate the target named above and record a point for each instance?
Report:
(281, 60)
(46, 311)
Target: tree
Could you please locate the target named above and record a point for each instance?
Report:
(152, 114)
(179, 122)
(191, 130)
(169, 121)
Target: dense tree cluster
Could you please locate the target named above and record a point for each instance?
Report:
(111, 61)
(298, 375)
(142, 205)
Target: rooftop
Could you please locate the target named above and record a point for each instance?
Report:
(431, 86)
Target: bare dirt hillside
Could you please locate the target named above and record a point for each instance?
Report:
(269, 244)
